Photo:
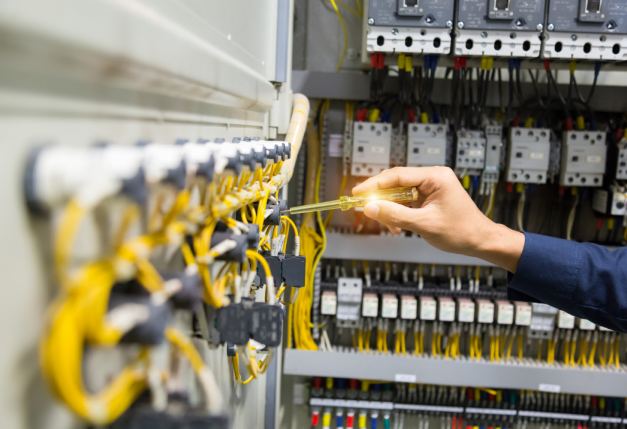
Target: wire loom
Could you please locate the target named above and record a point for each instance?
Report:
(80, 316)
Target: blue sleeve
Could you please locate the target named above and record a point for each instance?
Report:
(583, 279)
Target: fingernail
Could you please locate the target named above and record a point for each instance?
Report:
(371, 210)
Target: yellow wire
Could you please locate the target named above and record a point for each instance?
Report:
(353, 11)
(339, 65)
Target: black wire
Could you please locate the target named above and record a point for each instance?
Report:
(536, 90)
(592, 89)
(500, 87)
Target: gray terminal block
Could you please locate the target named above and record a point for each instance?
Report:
(586, 29)
(494, 147)
(499, 28)
(542, 320)
(583, 158)
(409, 26)
(621, 163)
(529, 154)
(470, 154)
(426, 145)
(371, 148)
(349, 292)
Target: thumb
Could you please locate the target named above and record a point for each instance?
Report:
(392, 214)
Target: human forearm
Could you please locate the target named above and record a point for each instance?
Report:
(499, 245)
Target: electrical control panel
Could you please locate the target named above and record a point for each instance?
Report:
(583, 158)
(499, 28)
(494, 147)
(470, 154)
(426, 145)
(612, 201)
(408, 26)
(586, 29)
(371, 148)
(529, 153)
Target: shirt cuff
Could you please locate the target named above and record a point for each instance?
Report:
(547, 271)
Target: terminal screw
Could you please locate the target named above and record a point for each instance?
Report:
(460, 24)
(539, 27)
(449, 24)
(551, 27)
(370, 21)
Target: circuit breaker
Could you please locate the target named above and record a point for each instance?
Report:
(586, 29)
(371, 148)
(408, 26)
(612, 201)
(529, 153)
(542, 320)
(470, 155)
(494, 147)
(348, 301)
(583, 158)
(499, 28)
(426, 145)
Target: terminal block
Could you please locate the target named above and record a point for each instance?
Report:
(583, 158)
(470, 156)
(426, 145)
(529, 154)
(612, 201)
(371, 148)
(348, 301)
(494, 148)
(586, 29)
(499, 28)
(408, 26)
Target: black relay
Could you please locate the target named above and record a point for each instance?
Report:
(266, 324)
(293, 270)
(233, 322)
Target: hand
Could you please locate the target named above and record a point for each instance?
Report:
(446, 217)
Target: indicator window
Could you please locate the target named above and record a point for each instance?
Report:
(593, 6)
(501, 5)
(411, 3)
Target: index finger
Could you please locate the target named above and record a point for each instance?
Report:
(398, 176)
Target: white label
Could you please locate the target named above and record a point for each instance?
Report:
(565, 320)
(586, 325)
(505, 314)
(370, 305)
(329, 303)
(433, 150)
(447, 310)
(486, 312)
(536, 155)
(409, 307)
(553, 388)
(405, 378)
(427, 309)
(466, 311)
(475, 152)
(377, 149)
(336, 145)
(595, 159)
(523, 314)
(389, 309)
(603, 328)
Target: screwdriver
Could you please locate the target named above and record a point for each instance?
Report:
(396, 195)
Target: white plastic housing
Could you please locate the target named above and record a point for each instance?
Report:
(584, 46)
(423, 40)
(517, 44)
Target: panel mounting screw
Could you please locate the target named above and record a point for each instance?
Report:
(370, 21)
(573, 37)
(395, 31)
(539, 27)
(484, 34)
(551, 27)
(449, 24)
(460, 24)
